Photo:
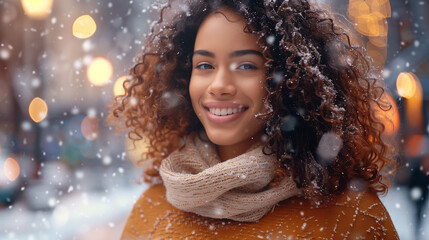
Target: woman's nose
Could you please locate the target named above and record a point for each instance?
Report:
(222, 83)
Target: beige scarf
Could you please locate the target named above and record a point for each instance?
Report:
(197, 181)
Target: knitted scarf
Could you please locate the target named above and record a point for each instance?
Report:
(197, 181)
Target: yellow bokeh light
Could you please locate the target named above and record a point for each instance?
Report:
(37, 9)
(11, 169)
(118, 88)
(357, 8)
(38, 109)
(371, 25)
(370, 18)
(136, 150)
(99, 71)
(382, 7)
(84, 26)
(89, 127)
(406, 85)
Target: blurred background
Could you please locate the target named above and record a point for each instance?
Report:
(66, 174)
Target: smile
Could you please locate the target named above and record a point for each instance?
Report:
(223, 119)
(225, 111)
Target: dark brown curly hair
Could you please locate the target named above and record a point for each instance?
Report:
(322, 94)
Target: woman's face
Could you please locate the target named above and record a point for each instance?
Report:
(227, 86)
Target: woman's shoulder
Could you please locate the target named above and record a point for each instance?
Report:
(353, 215)
(148, 208)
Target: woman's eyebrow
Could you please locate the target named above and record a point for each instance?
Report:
(204, 53)
(240, 53)
(234, 54)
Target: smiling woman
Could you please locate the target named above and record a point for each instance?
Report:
(261, 123)
(227, 85)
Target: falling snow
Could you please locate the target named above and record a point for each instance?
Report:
(70, 185)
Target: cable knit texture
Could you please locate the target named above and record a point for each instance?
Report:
(197, 181)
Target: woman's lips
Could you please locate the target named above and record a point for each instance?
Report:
(224, 118)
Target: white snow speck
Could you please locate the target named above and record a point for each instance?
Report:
(4, 54)
(92, 112)
(107, 160)
(133, 101)
(416, 193)
(329, 146)
(26, 126)
(271, 39)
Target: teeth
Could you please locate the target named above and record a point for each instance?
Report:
(225, 111)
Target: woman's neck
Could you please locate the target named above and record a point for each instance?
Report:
(231, 151)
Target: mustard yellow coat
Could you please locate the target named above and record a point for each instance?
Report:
(353, 216)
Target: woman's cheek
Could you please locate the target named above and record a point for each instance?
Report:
(195, 94)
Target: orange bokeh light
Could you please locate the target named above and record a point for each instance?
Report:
(38, 109)
(409, 86)
(406, 85)
(372, 25)
(11, 169)
(357, 8)
(370, 17)
(415, 145)
(381, 6)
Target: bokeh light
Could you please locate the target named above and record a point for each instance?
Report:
(84, 27)
(60, 216)
(118, 88)
(416, 145)
(411, 89)
(136, 149)
(371, 25)
(11, 169)
(38, 109)
(357, 8)
(89, 127)
(37, 9)
(370, 16)
(100, 71)
(380, 6)
(406, 85)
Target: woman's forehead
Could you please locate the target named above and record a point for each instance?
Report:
(225, 29)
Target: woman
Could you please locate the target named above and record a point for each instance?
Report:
(261, 123)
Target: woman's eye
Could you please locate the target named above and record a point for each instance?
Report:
(204, 66)
(247, 66)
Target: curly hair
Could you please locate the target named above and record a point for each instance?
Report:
(323, 94)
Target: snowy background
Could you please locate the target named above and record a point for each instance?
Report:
(68, 175)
